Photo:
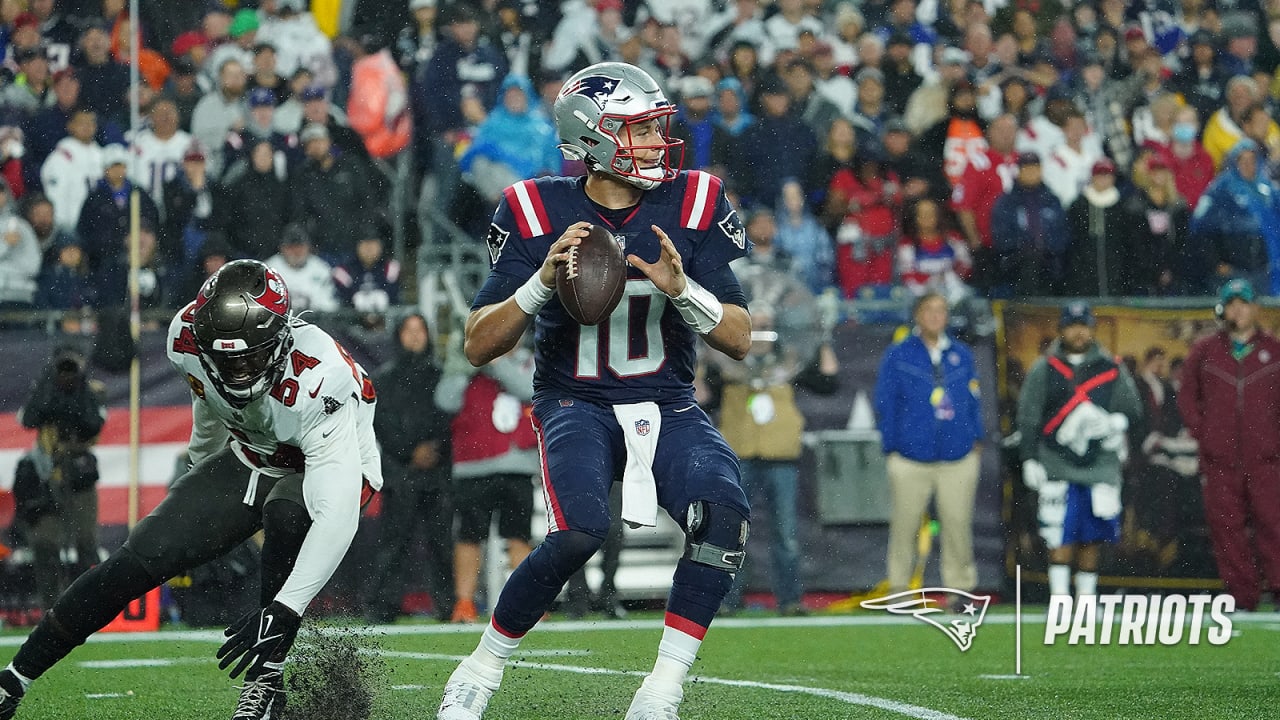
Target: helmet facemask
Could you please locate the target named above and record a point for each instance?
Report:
(632, 161)
(244, 375)
(243, 330)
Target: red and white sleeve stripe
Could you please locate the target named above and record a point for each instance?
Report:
(527, 207)
(700, 195)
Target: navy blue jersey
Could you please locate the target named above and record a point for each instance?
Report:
(644, 351)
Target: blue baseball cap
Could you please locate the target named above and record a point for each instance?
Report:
(1236, 288)
(261, 97)
(1076, 313)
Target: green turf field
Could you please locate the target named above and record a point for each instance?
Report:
(752, 668)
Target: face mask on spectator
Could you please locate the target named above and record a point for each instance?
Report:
(1184, 132)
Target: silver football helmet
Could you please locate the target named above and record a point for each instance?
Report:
(598, 112)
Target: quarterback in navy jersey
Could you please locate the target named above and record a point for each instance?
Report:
(615, 400)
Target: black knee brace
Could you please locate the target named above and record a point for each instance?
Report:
(715, 535)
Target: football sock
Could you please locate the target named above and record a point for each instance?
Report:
(48, 643)
(496, 646)
(1086, 584)
(696, 592)
(486, 662)
(676, 654)
(22, 679)
(535, 583)
(1059, 579)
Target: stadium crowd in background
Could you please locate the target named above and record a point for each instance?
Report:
(261, 115)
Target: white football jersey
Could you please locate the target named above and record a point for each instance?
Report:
(159, 161)
(68, 174)
(318, 420)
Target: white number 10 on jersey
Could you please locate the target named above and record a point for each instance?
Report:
(618, 350)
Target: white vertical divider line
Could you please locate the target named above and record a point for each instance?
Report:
(1017, 622)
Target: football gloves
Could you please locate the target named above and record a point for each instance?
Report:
(260, 637)
(1034, 475)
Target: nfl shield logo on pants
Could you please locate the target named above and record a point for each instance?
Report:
(642, 427)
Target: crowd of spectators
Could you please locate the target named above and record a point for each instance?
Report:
(999, 148)
(972, 148)
(241, 152)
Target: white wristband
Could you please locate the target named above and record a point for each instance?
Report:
(533, 295)
(698, 307)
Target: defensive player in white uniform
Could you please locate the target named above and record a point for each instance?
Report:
(282, 441)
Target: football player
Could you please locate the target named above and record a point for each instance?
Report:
(619, 394)
(282, 441)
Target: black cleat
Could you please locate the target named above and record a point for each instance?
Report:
(261, 698)
(11, 693)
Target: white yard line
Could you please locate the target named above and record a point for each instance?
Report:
(849, 698)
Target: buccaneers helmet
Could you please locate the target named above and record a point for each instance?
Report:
(243, 330)
(596, 114)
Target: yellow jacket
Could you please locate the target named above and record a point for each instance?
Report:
(1221, 134)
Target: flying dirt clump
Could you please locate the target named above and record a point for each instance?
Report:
(334, 674)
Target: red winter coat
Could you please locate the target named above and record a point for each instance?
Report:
(475, 434)
(1233, 408)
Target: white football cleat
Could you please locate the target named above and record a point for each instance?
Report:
(467, 693)
(650, 705)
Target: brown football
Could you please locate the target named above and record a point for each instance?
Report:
(590, 284)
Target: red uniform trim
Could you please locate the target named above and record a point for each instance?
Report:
(700, 194)
(527, 207)
(684, 625)
(554, 511)
(514, 636)
(1062, 367)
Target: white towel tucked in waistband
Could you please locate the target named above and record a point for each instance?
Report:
(641, 423)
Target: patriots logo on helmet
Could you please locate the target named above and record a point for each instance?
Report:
(597, 88)
(922, 604)
(275, 297)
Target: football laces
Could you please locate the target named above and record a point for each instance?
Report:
(571, 265)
